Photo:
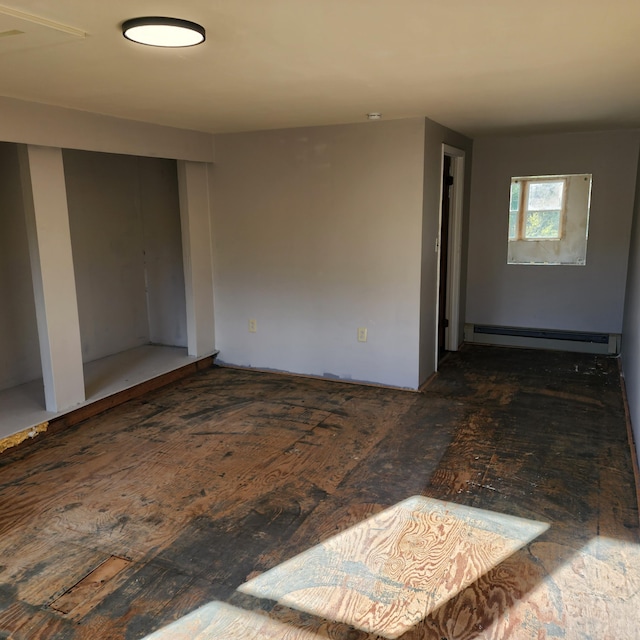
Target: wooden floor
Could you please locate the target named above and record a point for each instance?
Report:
(499, 503)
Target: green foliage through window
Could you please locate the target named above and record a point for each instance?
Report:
(544, 225)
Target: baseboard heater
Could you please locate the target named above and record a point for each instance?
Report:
(544, 338)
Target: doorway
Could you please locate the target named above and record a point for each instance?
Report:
(450, 252)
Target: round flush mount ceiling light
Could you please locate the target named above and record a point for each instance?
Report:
(163, 32)
(374, 115)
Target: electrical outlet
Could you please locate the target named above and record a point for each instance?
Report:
(253, 325)
(362, 334)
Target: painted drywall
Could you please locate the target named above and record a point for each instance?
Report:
(125, 232)
(164, 276)
(435, 136)
(580, 298)
(195, 218)
(54, 284)
(317, 231)
(19, 347)
(39, 124)
(630, 348)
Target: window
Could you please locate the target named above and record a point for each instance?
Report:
(549, 219)
(536, 209)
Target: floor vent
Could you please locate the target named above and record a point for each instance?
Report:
(580, 341)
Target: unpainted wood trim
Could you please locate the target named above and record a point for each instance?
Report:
(56, 425)
(632, 444)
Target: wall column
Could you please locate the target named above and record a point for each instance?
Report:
(197, 253)
(54, 287)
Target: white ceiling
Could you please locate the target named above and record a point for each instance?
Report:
(477, 66)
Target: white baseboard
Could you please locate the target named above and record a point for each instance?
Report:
(576, 341)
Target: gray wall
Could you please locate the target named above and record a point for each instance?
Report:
(631, 327)
(125, 233)
(317, 232)
(162, 240)
(49, 126)
(19, 346)
(583, 298)
(435, 136)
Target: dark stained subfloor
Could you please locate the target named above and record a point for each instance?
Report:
(193, 498)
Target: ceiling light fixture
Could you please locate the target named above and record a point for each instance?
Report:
(163, 32)
(374, 116)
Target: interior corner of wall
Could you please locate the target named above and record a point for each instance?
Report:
(468, 332)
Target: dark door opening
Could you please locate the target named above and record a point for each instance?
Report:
(443, 322)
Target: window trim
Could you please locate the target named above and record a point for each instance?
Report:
(521, 212)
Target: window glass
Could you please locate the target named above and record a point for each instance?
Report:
(542, 224)
(545, 196)
(514, 207)
(515, 196)
(513, 225)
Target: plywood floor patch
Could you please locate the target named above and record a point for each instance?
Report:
(80, 598)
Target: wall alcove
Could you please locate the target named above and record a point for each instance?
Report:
(124, 218)
(126, 241)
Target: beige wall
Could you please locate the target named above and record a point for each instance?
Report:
(317, 232)
(579, 298)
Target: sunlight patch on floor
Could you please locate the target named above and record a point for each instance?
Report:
(389, 572)
(590, 593)
(218, 620)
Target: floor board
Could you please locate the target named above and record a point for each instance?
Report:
(498, 503)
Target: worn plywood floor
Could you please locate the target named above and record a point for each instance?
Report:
(499, 503)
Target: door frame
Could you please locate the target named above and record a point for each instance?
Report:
(454, 263)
